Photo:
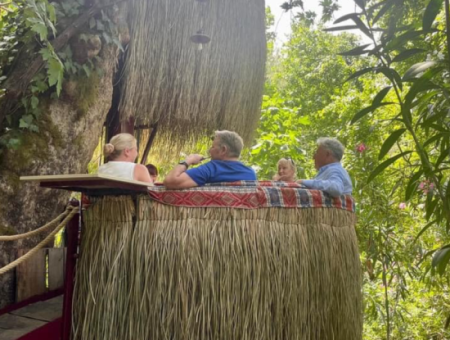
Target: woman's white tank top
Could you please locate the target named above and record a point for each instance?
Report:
(118, 169)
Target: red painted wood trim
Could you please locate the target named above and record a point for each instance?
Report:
(50, 331)
(46, 296)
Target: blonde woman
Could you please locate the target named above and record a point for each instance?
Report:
(286, 170)
(122, 152)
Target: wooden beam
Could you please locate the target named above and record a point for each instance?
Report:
(149, 144)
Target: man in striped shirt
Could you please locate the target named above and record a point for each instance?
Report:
(332, 177)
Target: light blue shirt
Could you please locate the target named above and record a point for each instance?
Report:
(333, 179)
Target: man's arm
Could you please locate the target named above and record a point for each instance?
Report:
(178, 178)
(333, 185)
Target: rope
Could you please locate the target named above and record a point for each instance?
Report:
(40, 245)
(36, 231)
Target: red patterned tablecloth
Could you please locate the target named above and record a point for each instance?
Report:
(251, 195)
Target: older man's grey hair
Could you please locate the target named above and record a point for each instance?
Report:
(333, 145)
(232, 141)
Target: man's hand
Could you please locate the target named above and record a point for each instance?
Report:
(194, 159)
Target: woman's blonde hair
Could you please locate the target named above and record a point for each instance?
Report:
(117, 144)
(289, 162)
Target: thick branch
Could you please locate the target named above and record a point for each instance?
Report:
(20, 78)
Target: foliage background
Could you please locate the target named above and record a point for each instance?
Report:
(392, 115)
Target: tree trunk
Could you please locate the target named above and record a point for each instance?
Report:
(69, 131)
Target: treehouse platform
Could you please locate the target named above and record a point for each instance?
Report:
(244, 260)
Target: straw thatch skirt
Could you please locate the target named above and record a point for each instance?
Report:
(152, 271)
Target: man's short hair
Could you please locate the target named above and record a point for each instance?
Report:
(232, 141)
(333, 145)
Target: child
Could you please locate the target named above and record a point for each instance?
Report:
(286, 170)
(153, 171)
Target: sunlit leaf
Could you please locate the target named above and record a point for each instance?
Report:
(380, 168)
(418, 68)
(407, 54)
(424, 229)
(383, 10)
(360, 73)
(356, 51)
(389, 142)
(367, 110)
(441, 258)
(412, 185)
(341, 28)
(432, 10)
(380, 95)
(346, 17)
(392, 75)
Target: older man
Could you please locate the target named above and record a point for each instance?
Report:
(332, 177)
(223, 167)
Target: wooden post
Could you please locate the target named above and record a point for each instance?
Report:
(149, 143)
(72, 246)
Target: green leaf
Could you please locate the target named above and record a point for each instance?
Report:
(407, 54)
(367, 110)
(40, 29)
(441, 258)
(380, 95)
(403, 39)
(87, 70)
(392, 75)
(341, 28)
(100, 25)
(51, 13)
(361, 3)
(356, 51)
(442, 157)
(55, 74)
(424, 229)
(389, 142)
(436, 138)
(25, 121)
(346, 17)
(92, 23)
(46, 53)
(385, 164)
(383, 10)
(412, 184)
(432, 10)
(360, 73)
(418, 68)
(34, 102)
(362, 26)
(419, 85)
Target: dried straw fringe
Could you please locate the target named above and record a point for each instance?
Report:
(193, 273)
(191, 93)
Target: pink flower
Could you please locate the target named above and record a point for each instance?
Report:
(361, 147)
(426, 186)
(402, 206)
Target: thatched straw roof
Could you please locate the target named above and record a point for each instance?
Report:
(189, 92)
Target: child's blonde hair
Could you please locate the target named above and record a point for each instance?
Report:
(117, 144)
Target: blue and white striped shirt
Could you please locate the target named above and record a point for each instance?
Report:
(333, 179)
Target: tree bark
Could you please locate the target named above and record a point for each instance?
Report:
(64, 145)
